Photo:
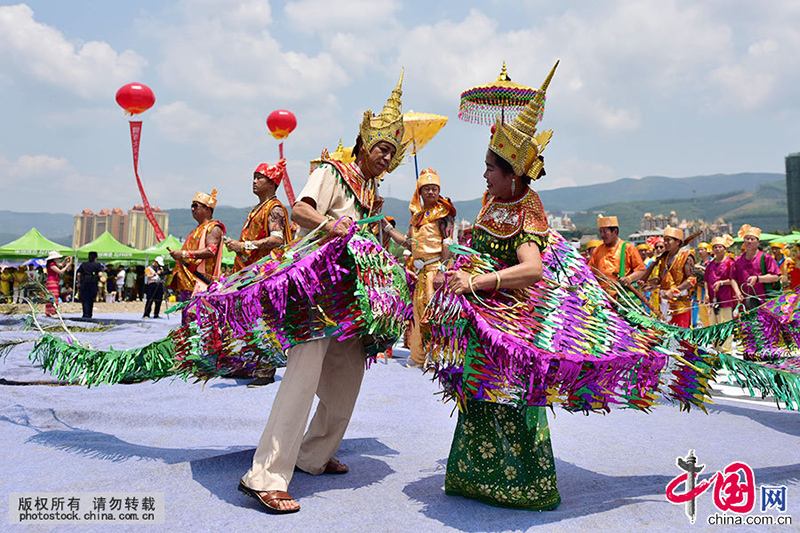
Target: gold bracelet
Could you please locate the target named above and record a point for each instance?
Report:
(497, 285)
(471, 288)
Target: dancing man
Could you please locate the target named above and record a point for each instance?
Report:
(335, 197)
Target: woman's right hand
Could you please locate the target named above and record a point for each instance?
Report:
(457, 281)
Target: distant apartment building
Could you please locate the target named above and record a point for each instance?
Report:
(650, 222)
(560, 221)
(793, 189)
(131, 228)
(141, 234)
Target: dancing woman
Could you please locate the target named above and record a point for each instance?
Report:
(501, 454)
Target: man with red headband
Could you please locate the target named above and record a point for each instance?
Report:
(267, 225)
(265, 230)
(201, 255)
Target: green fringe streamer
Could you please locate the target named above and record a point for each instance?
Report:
(782, 385)
(70, 362)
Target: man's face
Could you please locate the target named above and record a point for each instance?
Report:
(750, 243)
(777, 253)
(262, 185)
(429, 194)
(380, 156)
(672, 244)
(609, 236)
(703, 253)
(200, 212)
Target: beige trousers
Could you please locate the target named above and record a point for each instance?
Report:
(725, 315)
(333, 371)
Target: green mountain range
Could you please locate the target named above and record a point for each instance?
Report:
(758, 199)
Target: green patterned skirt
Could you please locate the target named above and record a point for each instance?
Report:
(495, 458)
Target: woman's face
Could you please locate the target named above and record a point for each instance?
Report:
(719, 250)
(498, 182)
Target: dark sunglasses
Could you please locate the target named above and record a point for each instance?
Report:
(195, 204)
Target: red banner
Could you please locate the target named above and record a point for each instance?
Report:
(136, 133)
(287, 185)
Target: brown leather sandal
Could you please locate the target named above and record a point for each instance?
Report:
(269, 498)
(335, 466)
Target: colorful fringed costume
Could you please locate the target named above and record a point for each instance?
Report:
(344, 288)
(497, 455)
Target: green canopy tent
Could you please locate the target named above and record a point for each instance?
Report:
(110, 250)
(794, 237)
(170, 242)
(174, 244)
(32, 244)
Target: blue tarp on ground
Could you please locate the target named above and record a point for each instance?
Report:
(193, 443)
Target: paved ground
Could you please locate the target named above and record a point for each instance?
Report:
(193, 443)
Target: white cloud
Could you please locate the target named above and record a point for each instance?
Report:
(235, 58)
(312, 16)
(87, 69)
(34, 181)
(178, 122)
(31, 166)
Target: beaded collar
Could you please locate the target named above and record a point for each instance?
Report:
(504, 220)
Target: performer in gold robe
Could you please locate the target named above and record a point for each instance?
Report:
(677, 281)
(201, 254)
(429, 234)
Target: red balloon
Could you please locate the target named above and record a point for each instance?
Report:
(135, 98)
(281, 123)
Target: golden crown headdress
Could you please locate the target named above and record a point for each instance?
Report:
(517, 142)
(388, 126)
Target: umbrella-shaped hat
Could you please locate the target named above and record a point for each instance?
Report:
(502, 98)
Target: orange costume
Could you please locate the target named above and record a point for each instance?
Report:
(431, 230)
(267, 218)
(680, 305)
(184, 280)
(676, 274)
(615, 262)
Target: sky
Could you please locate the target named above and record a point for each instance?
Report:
(644, 87)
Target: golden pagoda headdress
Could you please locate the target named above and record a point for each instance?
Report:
(388, 126)
(517, 142)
